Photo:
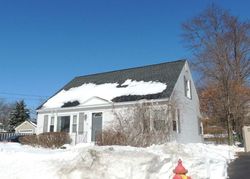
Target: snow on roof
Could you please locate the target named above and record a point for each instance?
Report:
(107, 91)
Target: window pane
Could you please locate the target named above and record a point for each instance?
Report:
(185, 86)
(174, 125)
(188, 89)
(45, 123)
(159, 125)
(74, 126)
(179, 120)
(63, 123)
(81, 123)
(51, 129)
(52, 120)
(97, 114)
(75, 119)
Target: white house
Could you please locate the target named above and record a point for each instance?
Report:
(1, 127)
(27, 127)
(85, 105)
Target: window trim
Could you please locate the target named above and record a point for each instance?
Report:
(187, 88)
(174, 125)
(60, 130)
(52, 124)
(74, 123)
(178, 121)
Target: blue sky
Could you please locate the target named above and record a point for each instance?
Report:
(44, 44)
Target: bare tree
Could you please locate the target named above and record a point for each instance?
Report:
(142, 124)
(220, 43)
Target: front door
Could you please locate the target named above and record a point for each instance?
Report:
(96, 125)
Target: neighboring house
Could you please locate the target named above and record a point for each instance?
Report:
(26, 127)
(85, 105)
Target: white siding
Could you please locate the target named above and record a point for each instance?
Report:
(189, 112)
(189, 109)
(107, 117)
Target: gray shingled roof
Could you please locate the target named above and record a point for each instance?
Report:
(164, 72)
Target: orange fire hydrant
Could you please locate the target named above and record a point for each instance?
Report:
(180, 171)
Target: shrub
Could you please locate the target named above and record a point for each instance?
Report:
(47, 140)
(29, 140)
(111, 137)
(137, 126)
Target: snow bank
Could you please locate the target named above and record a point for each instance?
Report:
(114, 162)
(107, 91)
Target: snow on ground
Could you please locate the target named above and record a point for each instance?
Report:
(107, 91)
(114, 162)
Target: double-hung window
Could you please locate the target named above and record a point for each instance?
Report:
(187, 88)
(74, 124)
(51, 126)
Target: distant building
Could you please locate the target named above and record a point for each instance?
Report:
(26, 127)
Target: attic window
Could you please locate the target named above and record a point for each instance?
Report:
(187, 88)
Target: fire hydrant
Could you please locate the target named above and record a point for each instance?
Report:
(180, 171)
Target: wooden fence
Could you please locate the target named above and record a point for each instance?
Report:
(4, 136)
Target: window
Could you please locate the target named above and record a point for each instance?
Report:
(174, 125)
(51, 127)
(159, 125)
(81, 123)
(97, 114)
(45, 123)
(187, 88)
(199, 126)
(176, 122)
(159, 119)
(179, 120)
(173, 117)
(74, 124)
(26, 131)
(63, 123)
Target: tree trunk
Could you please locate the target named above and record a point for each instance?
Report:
(229, 131)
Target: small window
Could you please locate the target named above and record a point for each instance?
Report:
(26, 131)
(199, 126)
(45, 123)
(179, 120)
(187, 88)
(82, 117)
(174, 125)
(51, 127)
(74, 124)
(97, 114)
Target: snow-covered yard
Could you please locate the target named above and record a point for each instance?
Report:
(114, 162)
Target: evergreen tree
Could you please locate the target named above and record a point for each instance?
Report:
(18, 115)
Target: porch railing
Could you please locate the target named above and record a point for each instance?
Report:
(79, 138)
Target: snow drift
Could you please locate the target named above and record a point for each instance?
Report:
(114, 162)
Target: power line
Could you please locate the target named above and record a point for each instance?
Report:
(26, 95)
(24, 98)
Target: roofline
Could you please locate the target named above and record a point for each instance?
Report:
(39, 107)
(127, 103)
(125, 69)
(34, 125)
